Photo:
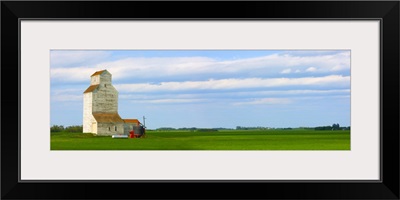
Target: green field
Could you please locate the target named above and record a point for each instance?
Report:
(296, 139)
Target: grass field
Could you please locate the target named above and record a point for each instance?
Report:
(296, 139)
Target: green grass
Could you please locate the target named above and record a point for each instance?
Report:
(296, 139)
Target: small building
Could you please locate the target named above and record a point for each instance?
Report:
(132, 124)
(100, 108)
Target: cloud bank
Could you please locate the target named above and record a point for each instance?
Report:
(155, 67)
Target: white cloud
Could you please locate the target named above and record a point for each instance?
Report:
(234, 84)
(338, 68)
(72, 74)
(168, 101)
(265, 101)
(286, 71)
(292, 92)
(227, 96)
(133, 96)
(311, 69)
(154, 67)
(347, 97)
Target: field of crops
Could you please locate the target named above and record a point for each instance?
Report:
(296, 139)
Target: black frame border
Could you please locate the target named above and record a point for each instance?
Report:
(386, 11)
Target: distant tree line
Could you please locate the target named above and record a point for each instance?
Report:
(252, 128)
(331, 128)
(335, 126)
(165, 129)
(191, 129)
(285, 128)
(71, 129)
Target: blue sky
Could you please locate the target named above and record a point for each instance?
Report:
(209, 88)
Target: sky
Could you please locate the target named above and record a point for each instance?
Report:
(208, 88)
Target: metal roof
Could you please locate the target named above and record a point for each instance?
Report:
(132, 121)
(107, 117)
(91, 88)
(98, 73)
